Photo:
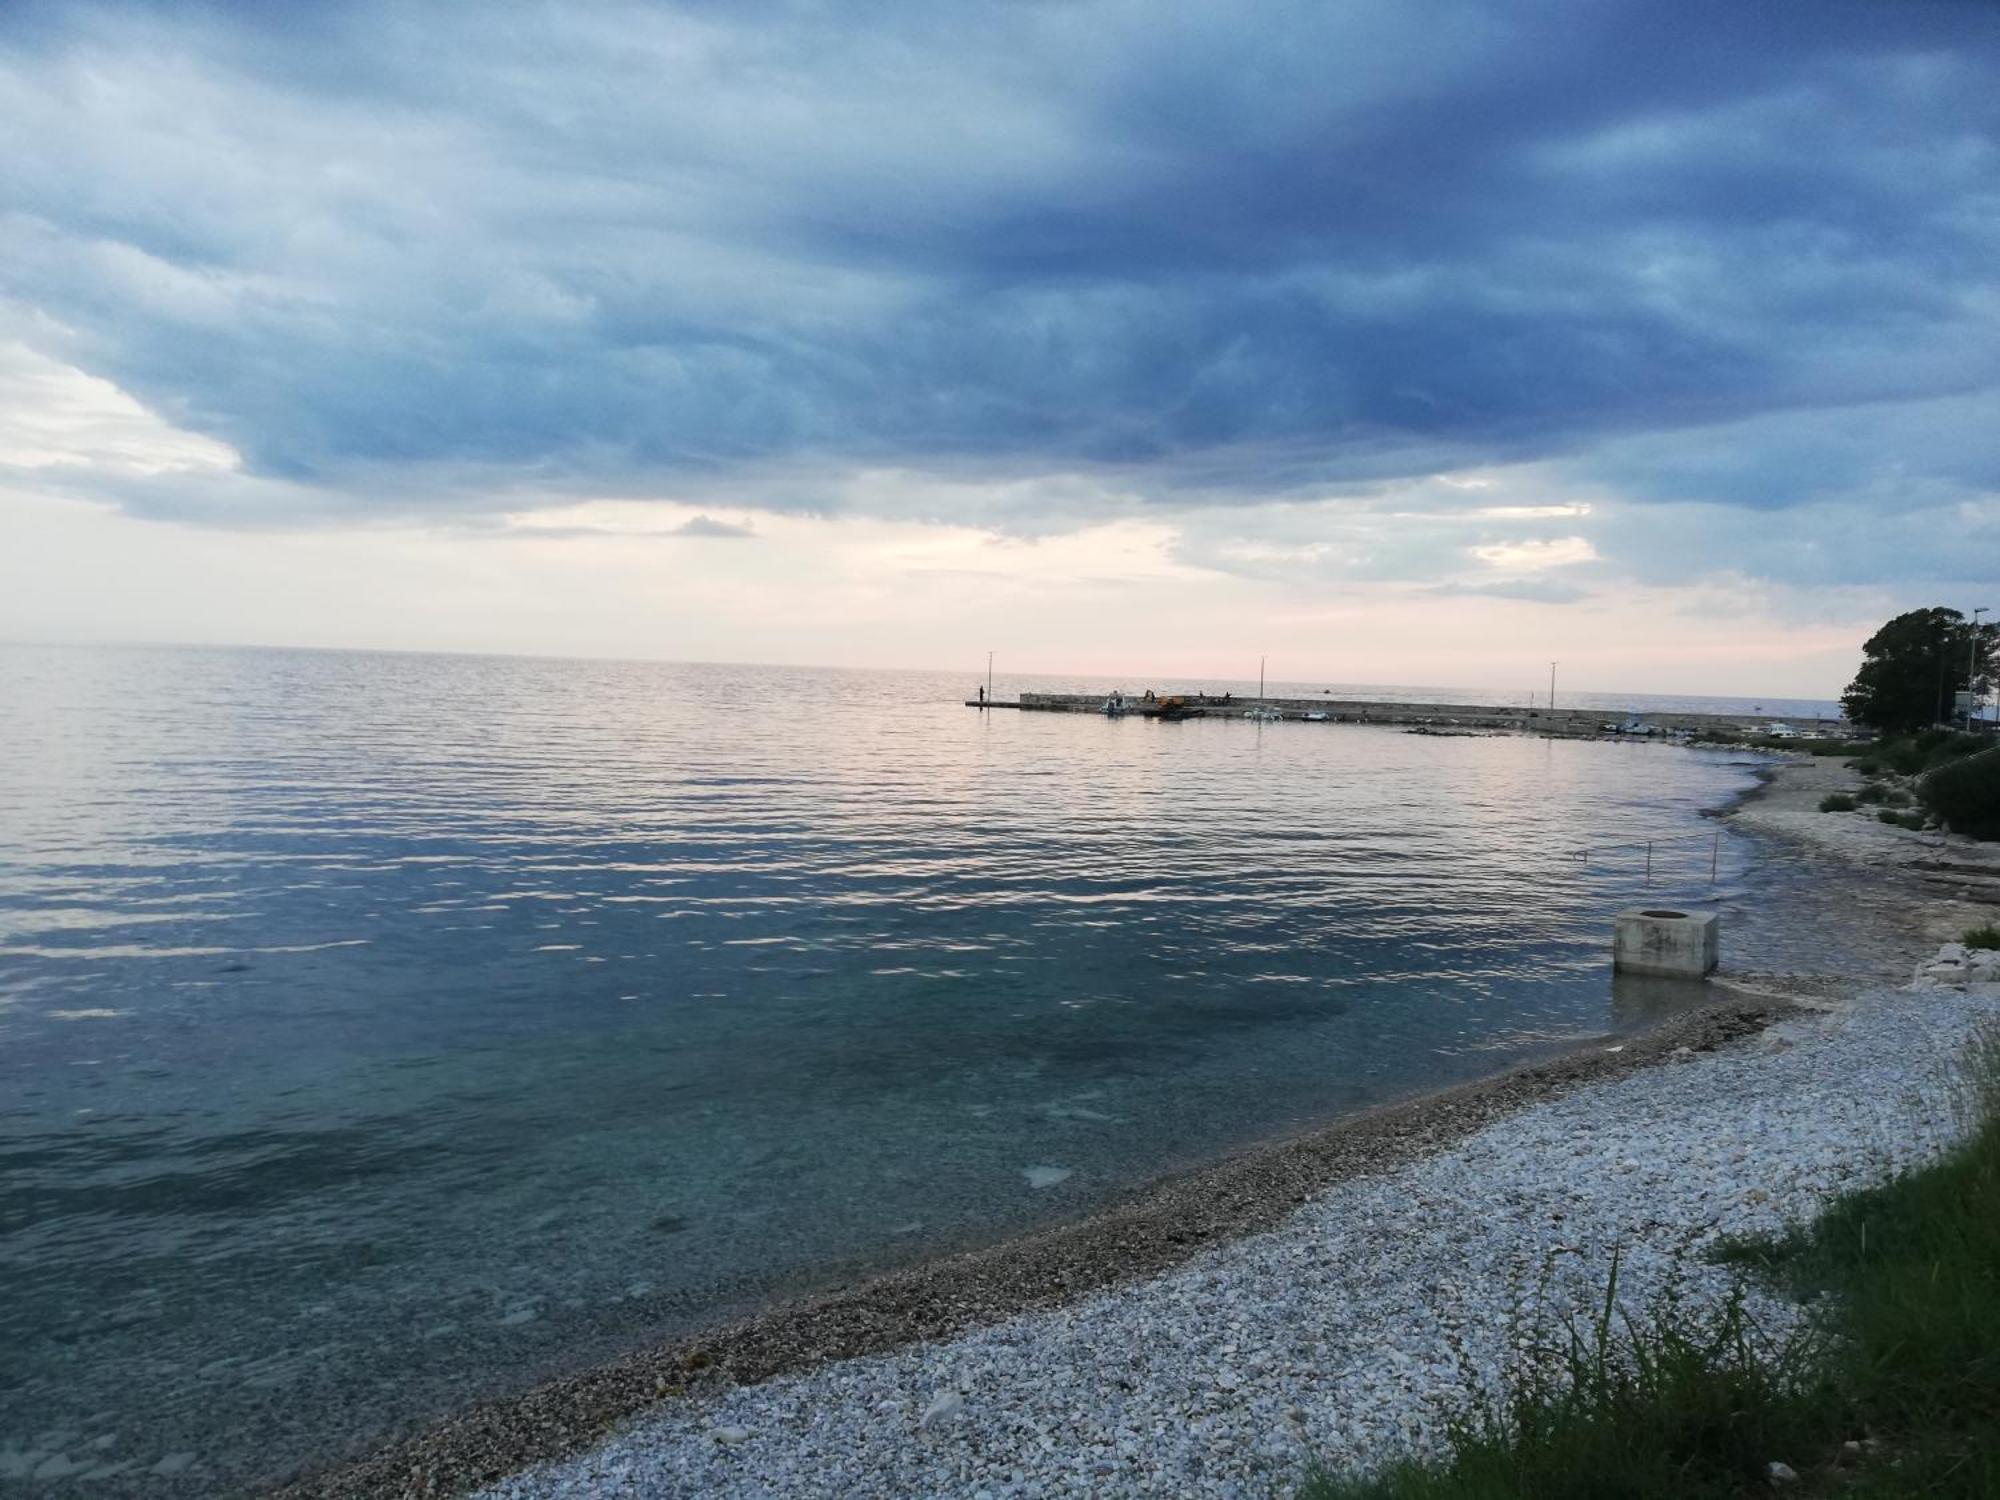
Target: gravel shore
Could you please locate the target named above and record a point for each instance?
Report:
(1336, 1334)
(1787, 807)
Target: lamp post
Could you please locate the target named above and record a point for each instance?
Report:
(1972, 665)
(989, 678)
(1552, 686)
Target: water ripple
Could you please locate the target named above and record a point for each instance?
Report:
(449, 1019)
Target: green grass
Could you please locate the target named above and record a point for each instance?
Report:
(1675, 1404)
(1837, 802)
(1909, 1274)
(1900, 1356)
(1982, 937)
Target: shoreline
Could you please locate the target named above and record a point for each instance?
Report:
(1155, 1233)
(1162, 1230)
(1345, 1335)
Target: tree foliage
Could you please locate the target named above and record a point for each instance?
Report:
(1913, 668)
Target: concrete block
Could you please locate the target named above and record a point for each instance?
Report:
(1656, 940)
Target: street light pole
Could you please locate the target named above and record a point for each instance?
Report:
(989, 678)
(1972, 665)
(1942, 717)
(1552, 687)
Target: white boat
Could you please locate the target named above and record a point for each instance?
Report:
(1117, 705)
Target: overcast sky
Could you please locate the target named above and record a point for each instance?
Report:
(1399, 341)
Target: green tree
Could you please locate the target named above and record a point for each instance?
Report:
(1913, 668)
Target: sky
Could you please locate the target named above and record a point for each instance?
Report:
(1399, 341)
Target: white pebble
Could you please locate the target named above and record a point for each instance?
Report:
(947, 1405)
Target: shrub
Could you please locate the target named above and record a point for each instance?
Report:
(1945, 752)
(1912, 755)
(1893, 819)
(1904, 756)
(1872, 793)
(1982, 937)
(1837, 802)
(1898, 797)
(1964, 794)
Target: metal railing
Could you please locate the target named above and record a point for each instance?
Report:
(1583, 853)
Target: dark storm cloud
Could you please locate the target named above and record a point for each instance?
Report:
(404, 254)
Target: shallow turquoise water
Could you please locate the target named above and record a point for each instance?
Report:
(378, 1031)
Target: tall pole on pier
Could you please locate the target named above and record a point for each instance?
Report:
(989, 679)
(1260, 677)
(1552, 686)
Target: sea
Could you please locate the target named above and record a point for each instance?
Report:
(382, 1032)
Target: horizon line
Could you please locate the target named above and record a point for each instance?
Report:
(570, 656)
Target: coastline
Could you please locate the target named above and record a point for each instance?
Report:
(1162, 1230)
(1156, 1233)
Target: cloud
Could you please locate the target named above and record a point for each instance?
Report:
(710, 527)
(55, 417)
(1534, 556)
(1527, 590)
(1034, 267)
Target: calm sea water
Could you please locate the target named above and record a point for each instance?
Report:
(380, 1031)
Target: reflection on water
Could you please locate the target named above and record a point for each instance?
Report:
(382, 1030)
(1642, 1000)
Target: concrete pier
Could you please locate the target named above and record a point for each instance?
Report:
(1443, 716)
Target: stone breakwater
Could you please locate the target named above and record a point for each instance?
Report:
(1577, 721)
(1338, 1334)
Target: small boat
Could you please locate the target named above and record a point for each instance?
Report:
(1265, 714)
(1117, 705)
